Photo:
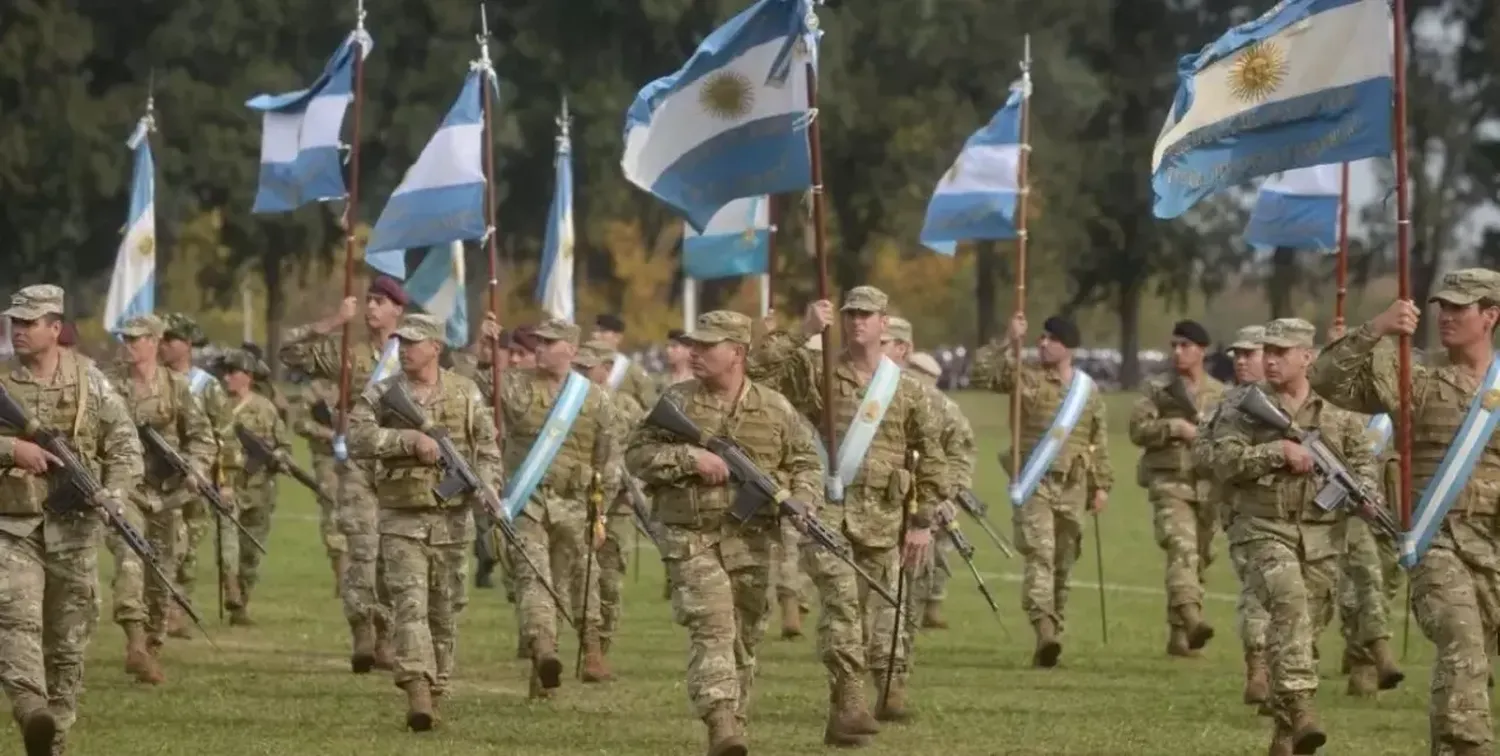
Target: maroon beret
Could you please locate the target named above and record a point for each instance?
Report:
(68, 336)
(389, 288)
(525, 338)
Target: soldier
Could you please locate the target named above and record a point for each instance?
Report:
(960, 449)
(314, 349)
(721, 569)
(547, 496)
(1064, 443)
(264, 383)
(1455, 465)
(677, 355)
(50, 570)
(254, 493)
(625, 376)
(477, 364)
(1164, 424)
(313, 417)
(159, 399)
(879, 414)
(1291, 545)
(423, 541)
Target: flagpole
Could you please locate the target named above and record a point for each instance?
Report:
(351, 210)
(1403, 267)
(768, 281)
(1341, 269)
(489, 209)
(815, 146)
(1023, 194)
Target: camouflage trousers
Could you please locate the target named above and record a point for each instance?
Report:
(127, 588)
(426, 584)
(720, 594)
(362, 587)
(1297, 593)
(1049, 535)
(49, 612)
(197, 519)
(786, 569)
(610, 567)
(1185, 531)
(1368, 576)
(880, 618)
(552, 532)
(325, 469)
(841, 634)
(254, 504)
(1252, 616)
(930, 586)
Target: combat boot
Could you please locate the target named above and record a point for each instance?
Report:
(523, 649)
(484, 575)
(1362, 679)
(1281, 741)
(1347, 664)
(546, 669)
(1257, 678)
(340, 563)
(418, 704)
(725, 738)
(932, 616)
(890, 704)
(1177, 643)
(1307, 734)
(38, 731)
(362, 657)
(385, 654)
(233, 599)
(840, 730)
(854, 710)
(1387, 673)
(791, 618)
(240, 617)
(595, 669)
(1470, 749)
(59, 744)
(177, 626)
(1199, 633)
(1047, 646)
(138, 658)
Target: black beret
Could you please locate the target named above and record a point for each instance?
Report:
(611, 323)
(1193, 331)
(1063, 330)
(676, 334)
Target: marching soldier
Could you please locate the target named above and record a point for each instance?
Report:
(1164, 424)
(879, 415)
(626, 376)
(1064, 445)
(721, 569)
(1291, 545)
(314, 349)
(424, 542)
(49, 578)
(477, 364)
(677, 356)
(1455, 464)
(959, 448)
(254, 493)
(313, 416)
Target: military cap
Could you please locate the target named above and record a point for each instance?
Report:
(67, 336)
(610, 323)
(1289, 332)
(420, 327)
(720, 325)
(898, 329)
(34, 302)
(142, 325)
(865, 299)
(241, 360)
(524, 337)
(389, 288)
(1192, 331)
(1467, 286)
(556, 329)
(1248, 338)
(1063, 330)
(926, 364)
(676, 334)
(179, 325)
(593, 353)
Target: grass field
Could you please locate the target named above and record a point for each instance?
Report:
(284, 687)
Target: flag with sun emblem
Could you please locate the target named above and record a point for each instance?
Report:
(437, 286)
(1298, 209)
(733, 122)
(736, 242)
(976, 198)
(554, 284)
(132, 286)
(1308, 83)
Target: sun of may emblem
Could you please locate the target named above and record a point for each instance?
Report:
(1491, 400)
(1258, 71)
(870, 411)
(727, 95)
(146, 245)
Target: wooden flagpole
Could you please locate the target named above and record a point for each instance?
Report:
(1403, 267)
(491, 232)
(1341, 265)
(351, 215)
(1023, 195)
(815, 144)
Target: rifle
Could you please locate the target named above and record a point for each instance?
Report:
(261, 455)
(1177, 391)
(173, 459)
(965, 549)
(459, 478)
(80, 490)
(977, 509)
(640, 512)
(1341, 490)
(322, 414)
(903, 596)
(756, 488)
(593, 528)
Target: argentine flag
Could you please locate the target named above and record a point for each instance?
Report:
(737, 242)
(554, 283)
(437, 286)
(1308, 83)
(1298, 209)
(441, 199)
(299, 144)
(976, 199)
(730, 124)
(132, 286)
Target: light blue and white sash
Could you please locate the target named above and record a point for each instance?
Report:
(385, 367)
(198, 380)
(1457, 466)
(1045, 453)
(1378, 433)
(617, 372)
(862, 427)
(559, 421)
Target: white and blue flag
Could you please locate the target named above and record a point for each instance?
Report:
(300, 159)
(554, 283)
(733, 122)
(976, 199)
(437, 286)
(132, 286)
(1308, 83)
(1298, 209)
(737, 242)
(441, 199)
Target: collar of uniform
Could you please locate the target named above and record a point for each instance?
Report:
(1313, 400)
(65, 375)
(747, 399)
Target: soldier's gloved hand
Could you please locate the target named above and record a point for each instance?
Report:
(1298, 459)
(32, 458)
(710, 467)
(914, 551)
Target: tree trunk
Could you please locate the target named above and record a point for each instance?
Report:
(1281, 281)
(1424, 271)
(986, 272)
(271, 274)
(1130, 331)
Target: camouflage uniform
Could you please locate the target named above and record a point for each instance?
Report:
(871, 513)
(48, 562)
(959, 448)
(254, 493)
(489, 551)
(721, 569)
(1455, 584)
(661, 383)
(1290, 545)
(1049, 525)
(424, 542)
(313, 417)
(637, 384)
(610, 567)
(1183, 514)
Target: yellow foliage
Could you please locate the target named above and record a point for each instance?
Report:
(645, 276)
(924, 288)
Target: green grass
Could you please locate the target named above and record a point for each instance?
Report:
(284, 687)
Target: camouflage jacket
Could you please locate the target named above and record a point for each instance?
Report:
(959, 447)
(314, 412)
(638, 384)
(259, 416)
(317, 355)
(168, 405)
(527, 397)
(470, 366)
(1167, 466)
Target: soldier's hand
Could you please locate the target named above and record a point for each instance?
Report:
(32, 458)
(1017, 328)
(1099, 501)
(946, 512)
(1298, 459)
(768, 321)
(598, 532)
(227, 494)
(914, 552)
(1183, 429)
(425, 448)
(710, 467)
(347, 309)
(490, 328)
(1336, 331)
(818, 318)
(1400, 319)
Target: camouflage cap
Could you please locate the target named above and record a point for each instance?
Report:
(593, 353)
(1467, 286)
(925, 364)
(866, 299)
(32, 302)
(1249, 338)
(420, 327)
(555, 329)
(242, 361)
(898, 329)
(179, 325)
(142, 325)
(720, 325)
(1289, 332)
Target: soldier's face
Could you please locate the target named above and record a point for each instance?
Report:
(237, 381)
(898, 351)
(556, 357)
(417, 356)
(1247, 366)
(1286, 364)
(28, 337)
(711, 362)
(677, 353)
(612, 338)
(599, 373)
(1185, 354)
(523, 358)
(139, 350)
(1050, 351)
(864, 328)
(1462, 326)
(175, 350)
(381, 313)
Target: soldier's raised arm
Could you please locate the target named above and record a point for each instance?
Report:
(121, 464)
(1237, 458)
(783, 361)
(194, 431)
(312, 348)
(994, 366)
(1359, 372)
